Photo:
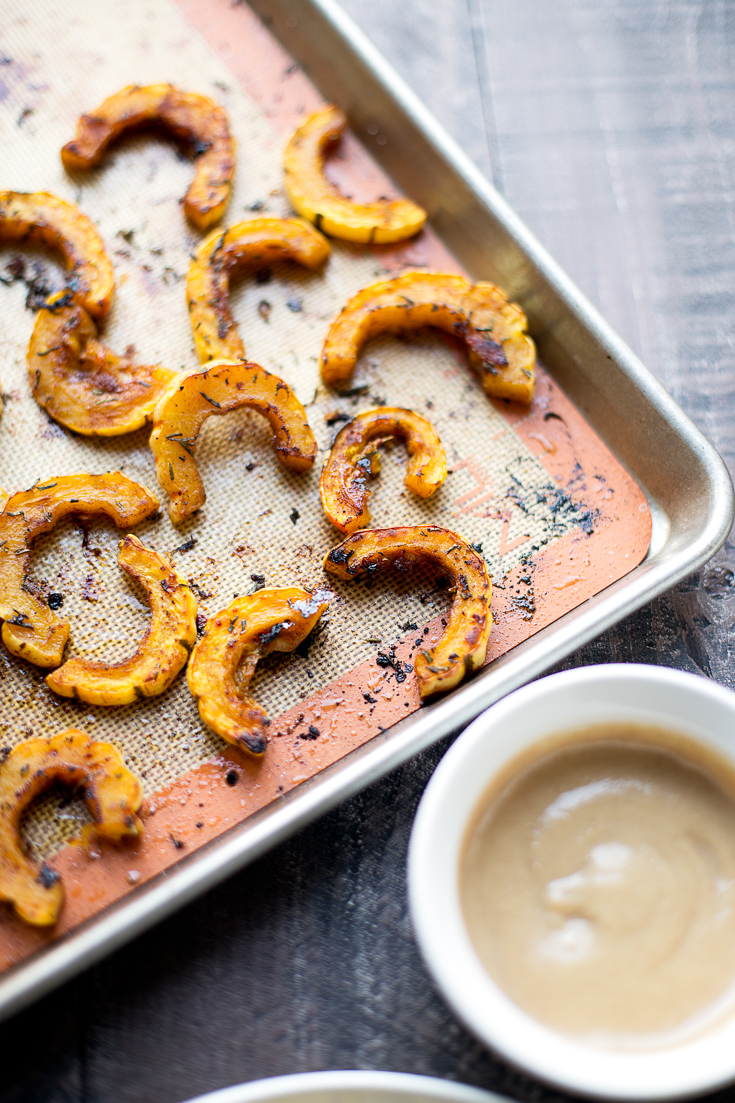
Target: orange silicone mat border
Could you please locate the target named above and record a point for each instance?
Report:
(366, 701)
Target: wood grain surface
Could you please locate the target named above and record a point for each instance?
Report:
(610, 126)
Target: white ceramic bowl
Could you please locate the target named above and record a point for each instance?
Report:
(645, 694)
(351, 1087)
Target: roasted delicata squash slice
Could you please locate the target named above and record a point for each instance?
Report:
(38, 218)
(188, 116)
(111, 792)
(225, 385)
(31, 630)
(256, 243)
(161, 653)
(354, 459)
(463, 645)
(314, 197)
(223, 662)
(81, 383)
(494, 329)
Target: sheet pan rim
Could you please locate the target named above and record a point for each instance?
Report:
(51, 967)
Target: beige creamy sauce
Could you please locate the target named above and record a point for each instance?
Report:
(598, 885)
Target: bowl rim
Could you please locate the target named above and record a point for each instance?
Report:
(686, 702)
(342, 1082)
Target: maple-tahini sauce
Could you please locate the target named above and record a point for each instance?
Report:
(598, 885)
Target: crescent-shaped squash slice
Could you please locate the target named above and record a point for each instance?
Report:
(188, 116)
(225, 385)
(463, 645)
(494, 329)
(314, 197)
(223, 662)
(353, 460)
(81, 383)
(161, 653)
(39, 218)
(258, 242)
(31, 630)
(111, 792)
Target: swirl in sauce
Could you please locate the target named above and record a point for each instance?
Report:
(598, 885)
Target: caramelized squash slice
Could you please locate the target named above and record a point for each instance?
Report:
(38, 218)
(353, 460)
(31, 630)
(463, 645)
(112, 793)
(314, 197)
(258, 242)
(225, 385)
(223, 662)
(495, 330)
(187, 115)
(161, 653)
(81, 383)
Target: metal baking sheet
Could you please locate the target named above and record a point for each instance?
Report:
(685, 483)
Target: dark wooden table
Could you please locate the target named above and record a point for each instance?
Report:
(610, 127)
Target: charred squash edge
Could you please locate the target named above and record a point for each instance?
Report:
(315, 198)
(31, 630)
(89, 402)
(112, 793)
(493, 328)
(353, 460)
(41, 218)
(161, 653)
(225, 385)
(188, 115)
(258, 242)
(463, 646)
(233, 642)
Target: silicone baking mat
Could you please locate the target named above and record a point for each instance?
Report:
(555, 516)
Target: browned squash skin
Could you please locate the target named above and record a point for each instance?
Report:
(38, 218)
(494, 329)
(353, 460)
(84, 385)
(112, 793)
(31, 630)
(223, 662)
(463, 645)
(188, 116)
(315, 198)
(256, 243)
(161, 653)
(225, 385)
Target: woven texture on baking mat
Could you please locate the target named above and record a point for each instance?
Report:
(531, 489)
